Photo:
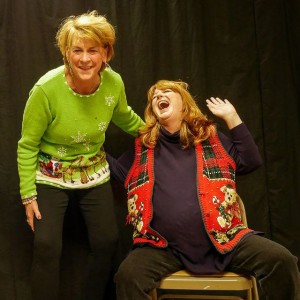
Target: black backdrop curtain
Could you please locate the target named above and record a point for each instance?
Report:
(247, 51)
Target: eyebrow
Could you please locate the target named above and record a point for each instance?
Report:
(162, 90)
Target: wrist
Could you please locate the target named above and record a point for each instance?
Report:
(233, 121)
(29, 200)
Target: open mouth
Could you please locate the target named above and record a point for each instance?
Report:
(163, 104)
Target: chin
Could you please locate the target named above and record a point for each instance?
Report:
(87, 77)
(166, 115)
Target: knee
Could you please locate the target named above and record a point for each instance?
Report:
(281, 257)
(133, 282)
(47, 250)
(127, 275)
(288, 260)
(45, 242)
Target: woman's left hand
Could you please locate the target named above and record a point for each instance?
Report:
(224, 110)
(32, 211)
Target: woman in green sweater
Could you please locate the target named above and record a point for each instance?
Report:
(61, 155)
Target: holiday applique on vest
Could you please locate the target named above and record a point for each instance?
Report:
(139, 184)
(216, 193)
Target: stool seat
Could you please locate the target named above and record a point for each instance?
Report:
(184, 280)
(226, 281)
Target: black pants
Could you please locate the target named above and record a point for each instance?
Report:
(96, 206)
(273, 265)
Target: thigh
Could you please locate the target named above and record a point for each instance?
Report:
(149, 264)
(97, 207)
(52, 203)
(273, 265)
(256, 255)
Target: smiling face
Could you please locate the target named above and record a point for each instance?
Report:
(167, 107)
(85, 59)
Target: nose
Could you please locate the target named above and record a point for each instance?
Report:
(85, 56)
(159, 94)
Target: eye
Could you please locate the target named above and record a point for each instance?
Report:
(167, 91)
(93, 51)
(77, 51)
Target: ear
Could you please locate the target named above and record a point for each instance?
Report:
(104, 54)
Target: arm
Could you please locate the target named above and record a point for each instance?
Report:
(120, 167)
(35, 121)
(124, 116)
(36, 118)
(241, 146)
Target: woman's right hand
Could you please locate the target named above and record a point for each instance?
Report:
(32, 210)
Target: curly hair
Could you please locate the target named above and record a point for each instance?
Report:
(195, 127)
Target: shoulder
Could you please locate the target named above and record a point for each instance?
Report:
(49, 81)
(50, 76)
(110, 76)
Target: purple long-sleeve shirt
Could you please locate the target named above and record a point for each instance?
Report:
(176, 211)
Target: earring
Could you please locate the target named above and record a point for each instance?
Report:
(106, 65)
(70, 68)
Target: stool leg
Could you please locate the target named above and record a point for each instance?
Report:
(153, 294)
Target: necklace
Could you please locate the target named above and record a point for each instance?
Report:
(84, 90)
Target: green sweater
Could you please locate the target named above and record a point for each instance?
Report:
(63, 132)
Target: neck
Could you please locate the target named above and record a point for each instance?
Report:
(171, 129)
(171, 126)
(83, 87)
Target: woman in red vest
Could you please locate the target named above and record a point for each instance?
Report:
(180, 180)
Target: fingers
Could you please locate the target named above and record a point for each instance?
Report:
(216, 101)
(32, 211)
(30, 222)
(37, 212)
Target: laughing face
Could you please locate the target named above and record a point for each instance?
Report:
(167, 106)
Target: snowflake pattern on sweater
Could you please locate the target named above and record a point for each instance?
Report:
(63, 132)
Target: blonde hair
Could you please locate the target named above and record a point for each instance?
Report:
(91, 26)
(195, 126)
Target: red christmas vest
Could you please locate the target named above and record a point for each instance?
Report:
(216, 193)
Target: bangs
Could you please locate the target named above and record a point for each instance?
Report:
(82, 34)
(179, 87)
